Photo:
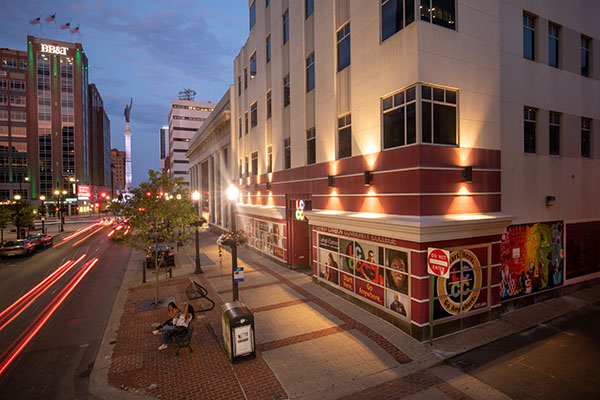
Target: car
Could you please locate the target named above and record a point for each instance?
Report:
(17, 248)
(164, 253)
(40, 239)
(106, 221)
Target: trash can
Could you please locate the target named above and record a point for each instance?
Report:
(238, 331)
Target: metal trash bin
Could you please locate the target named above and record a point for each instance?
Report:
(238, 331)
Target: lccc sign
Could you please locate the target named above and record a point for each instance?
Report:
(48, 48)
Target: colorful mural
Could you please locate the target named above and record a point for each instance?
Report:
(532, 259)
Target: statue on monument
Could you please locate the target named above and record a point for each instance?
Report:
(127, 111)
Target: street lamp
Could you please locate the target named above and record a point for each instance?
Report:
(61, 210)
(232, 194)
(42, 199)
(196, 198)
(18, 205)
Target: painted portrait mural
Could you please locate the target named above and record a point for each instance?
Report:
(532, 259)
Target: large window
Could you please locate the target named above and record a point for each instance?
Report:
(246, 167)
(528, 37)
(17, 86)
(553, 41)
(554, 133)
(529, 130)
(239, 85)
(438, 107)
(343, 46)
(310, 72)
(246, 122)
(585, 55)
(68, 151)
(240, 127)
(269, 111)
(311, 146)
(253, 114)
(395, 15)
(309, 8)
(586, 129)
(344, 136)
(286, 90)
(439, 12)
(268, 48)
(255, 163)
(399, 119)
(269, 159)
(245, 77)
(286, 26)
(3, 99)
(253, 65)
(287, 153)
(252, 14)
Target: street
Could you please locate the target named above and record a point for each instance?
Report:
(55, 305)
(556, 360)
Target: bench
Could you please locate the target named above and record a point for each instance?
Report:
(196, 291)
(183, 340)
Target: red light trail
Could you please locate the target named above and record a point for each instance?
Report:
(75, 234)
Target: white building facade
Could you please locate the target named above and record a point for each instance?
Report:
(365, 133)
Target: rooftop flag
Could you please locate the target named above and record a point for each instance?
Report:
(75, 30)
(66, 26)
(36, 21)
(51, 18)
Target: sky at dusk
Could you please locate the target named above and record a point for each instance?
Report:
(145, 49)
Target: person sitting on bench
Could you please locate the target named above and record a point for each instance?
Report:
(173, 312)
(179, 328)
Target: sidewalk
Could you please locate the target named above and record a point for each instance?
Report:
(310, 343)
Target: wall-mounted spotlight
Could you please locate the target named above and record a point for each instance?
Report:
(467, 174)
(331, 181)
(268, 185)
(368, 177)
(550, 200)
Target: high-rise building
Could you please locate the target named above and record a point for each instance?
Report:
(13, 124)
(99, 140)
(117, 160)
(185, 117)
(163, 147)
(366, 133)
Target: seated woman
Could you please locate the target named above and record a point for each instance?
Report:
(180, 327)
(173, 312)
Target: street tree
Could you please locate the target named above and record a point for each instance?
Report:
(159, 211)
(4, 220)
(18, 214)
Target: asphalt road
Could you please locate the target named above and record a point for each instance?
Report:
(57, 362)
(556, 360)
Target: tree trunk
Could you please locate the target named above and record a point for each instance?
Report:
(156, 269)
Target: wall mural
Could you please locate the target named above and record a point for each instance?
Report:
(532, 259)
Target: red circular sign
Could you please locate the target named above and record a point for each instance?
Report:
(438, 262)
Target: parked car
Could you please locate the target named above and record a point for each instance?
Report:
(40, 239)
(17, 248)
(164, 253)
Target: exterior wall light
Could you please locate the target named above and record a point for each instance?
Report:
(331, 181)
(368, 178)
(550, 201)
(467, 174)
(268, 185)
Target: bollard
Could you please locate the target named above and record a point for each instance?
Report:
(144, 272)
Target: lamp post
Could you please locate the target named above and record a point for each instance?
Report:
(232, 194)
(196, 198)
(18, 206)
(20, 189)
(74, 183)
(42, 199)
(60, 195)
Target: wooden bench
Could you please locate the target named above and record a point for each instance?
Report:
(183, 340)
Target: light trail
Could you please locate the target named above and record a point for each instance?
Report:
(75, 234)
(96, 231)
(41, 319)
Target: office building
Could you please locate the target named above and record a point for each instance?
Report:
(117, 160)
(99, 143)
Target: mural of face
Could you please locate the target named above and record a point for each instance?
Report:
(398, 278)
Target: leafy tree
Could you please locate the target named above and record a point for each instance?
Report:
(158, 211)
(4, 220)
(20, 215)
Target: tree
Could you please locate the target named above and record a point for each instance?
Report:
(4, 220)
(158, 211)
(20, 214)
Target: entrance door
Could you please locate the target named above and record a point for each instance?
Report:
(300, 242)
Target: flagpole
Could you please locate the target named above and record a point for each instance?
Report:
(41, 27)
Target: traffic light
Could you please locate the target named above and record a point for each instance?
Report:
(97, 205)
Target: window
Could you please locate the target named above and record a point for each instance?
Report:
(553, 36)
(310, 72)
(439, 12)
(286, 90)
(3, 99)
(17, 100)
(18, 131)
(438, 107)
(311, 146)
(246, 122)
(246, 167)
(252, 14)
(287, 153)
(18, 86)
(18, 116)
(344, 136)
(255, 163)
(528, 37)
(554, 132)
(399, 119)
(240, 169)
(529, 130)
(253, 114)
(268, 48)
(240, 127)
(267, 2)
(395, 15)
(309, 7)
(585, 55)
(245, 77)
(3, 115)
(343, 46)
(23, 65)
(253, 65)
(269, 159)
(286, 26)
(586, 129)
(239, 85)
(9, 63)
(2, 84)
(269, 104)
